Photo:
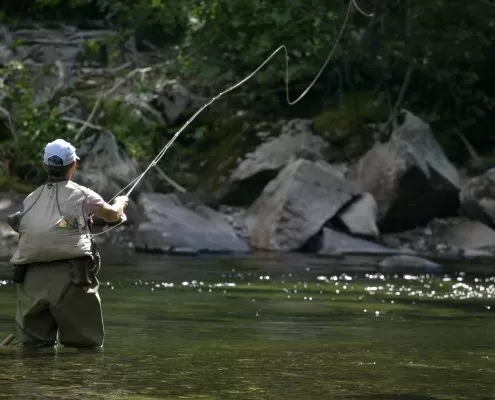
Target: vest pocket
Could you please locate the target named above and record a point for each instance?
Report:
(81, 271)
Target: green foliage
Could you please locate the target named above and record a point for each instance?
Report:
(125, 123)
(33, 125)
(213, 44)
(345, 125)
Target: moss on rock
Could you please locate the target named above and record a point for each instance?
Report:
(345, 126)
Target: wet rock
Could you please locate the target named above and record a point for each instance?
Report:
(107, 169)
(359, 216)
(331, 242)
(477, 198)
(296, 204)
(296, 141)
(236, 217)
(177, 224)
(463, 233)
(410, 177)
(404, 262)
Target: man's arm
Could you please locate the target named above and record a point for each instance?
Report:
(114, 212)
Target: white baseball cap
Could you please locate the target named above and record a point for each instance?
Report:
(59, 153)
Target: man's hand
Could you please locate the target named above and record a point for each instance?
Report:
(114, 212)
(121, 202)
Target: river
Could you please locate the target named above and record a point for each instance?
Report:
(269, 327)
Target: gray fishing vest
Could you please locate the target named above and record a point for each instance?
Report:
(53, 226)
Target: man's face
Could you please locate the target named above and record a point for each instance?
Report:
(73, 168)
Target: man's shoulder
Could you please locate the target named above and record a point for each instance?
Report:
(87, 191)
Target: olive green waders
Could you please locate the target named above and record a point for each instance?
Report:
(51, 308)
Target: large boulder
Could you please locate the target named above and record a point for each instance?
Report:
(296, 141)
(177, 224)
(477, 198)
(454, 238)
(295, 205)
(107, 169)
(409, 176)
(463, 233)
(358, 217)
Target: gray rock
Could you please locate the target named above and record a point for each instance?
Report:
(236, 217)
(463, 233)
(333, 243)
(296, 141)
(256, 169)
(8, 241)
(173, 99)
(410, 177)
(477, 198)
(296, 204)
(107, 169)
(175, 225)
(9, 204)
(360, 216)
(50, 79)
(409, 261)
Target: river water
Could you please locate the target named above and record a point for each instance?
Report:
(270, 327)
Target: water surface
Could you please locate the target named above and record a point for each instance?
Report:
(270, 328)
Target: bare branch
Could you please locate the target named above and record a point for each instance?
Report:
(106, 94)
(169, 180)
(82, 122)
(471, 150)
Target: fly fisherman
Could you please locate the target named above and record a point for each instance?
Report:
(56, 262)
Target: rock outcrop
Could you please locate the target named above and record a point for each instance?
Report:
(295, 205)
(477, 198)
(296, 141)
(107, 169)
(358, 217)
(403, 263)
(175, 224)
(410, 177)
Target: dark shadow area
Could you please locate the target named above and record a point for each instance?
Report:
(243, 194)
(418, 202)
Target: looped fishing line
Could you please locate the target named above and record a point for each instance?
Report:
(162, 152)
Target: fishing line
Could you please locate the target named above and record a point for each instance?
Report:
(162, 152)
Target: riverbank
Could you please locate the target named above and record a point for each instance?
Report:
(333, 184)
(402, 201)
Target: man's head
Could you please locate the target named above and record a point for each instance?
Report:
(60, 159)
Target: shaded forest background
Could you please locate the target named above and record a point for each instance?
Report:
(433, 57)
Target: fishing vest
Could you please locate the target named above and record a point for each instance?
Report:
(53, 226)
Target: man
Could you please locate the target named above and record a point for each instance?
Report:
(56, 262)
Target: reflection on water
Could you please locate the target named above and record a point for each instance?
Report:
(269, 328)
